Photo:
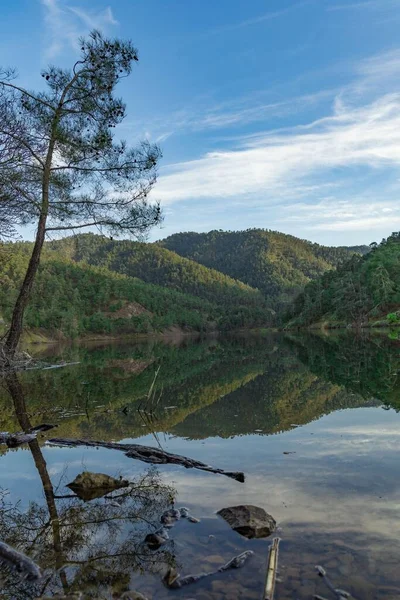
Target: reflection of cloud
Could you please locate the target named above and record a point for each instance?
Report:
(337, 498)
(343, 478)
(298, 495)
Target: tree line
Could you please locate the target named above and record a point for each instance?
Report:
(365, 289)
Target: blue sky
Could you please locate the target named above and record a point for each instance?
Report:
(281, 114)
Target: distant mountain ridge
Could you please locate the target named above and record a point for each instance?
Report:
(277, 264)
(88, 283)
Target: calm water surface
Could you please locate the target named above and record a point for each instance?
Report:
(237, 404)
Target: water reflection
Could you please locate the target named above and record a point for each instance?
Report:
(366, 365)
(210, 388)
(328, 475)
(82, 546)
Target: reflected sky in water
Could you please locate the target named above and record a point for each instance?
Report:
(235, 404)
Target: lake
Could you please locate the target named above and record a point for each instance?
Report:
(312, 422)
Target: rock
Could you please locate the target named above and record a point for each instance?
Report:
(171, 576)
(170, 517)
(154, 540)
(157, 539)
(89, 486)
(250, 521)
(193, 519)
(133, 595)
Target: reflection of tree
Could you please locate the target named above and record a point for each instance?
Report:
(82, 546)
(80, 391)
(368, 366)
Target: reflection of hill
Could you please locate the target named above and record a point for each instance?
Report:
(208, 388)
(283, 395)
(87, 399)
(369, 366)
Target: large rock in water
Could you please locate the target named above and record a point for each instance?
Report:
(89, 486)
(250, 521)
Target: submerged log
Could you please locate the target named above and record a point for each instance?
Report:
(173, 580)
(149, 455)
(20, 437)
(340, 594)
(42, 427)
(16, 439)
(272, 570)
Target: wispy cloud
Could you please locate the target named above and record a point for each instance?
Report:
(272, 163)
(336, 173)
(66, 24)
(369, 76)
(268, 16)
(368, 4)
(355, 214)
(250, 108)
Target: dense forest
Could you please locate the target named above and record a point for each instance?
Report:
(364, 290)
(88, 285)
(279, 265)
(158, 266)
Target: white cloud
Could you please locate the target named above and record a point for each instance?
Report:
(272, 163)
(338, 173)
(66, 24)
(357, 214)
(96, 21)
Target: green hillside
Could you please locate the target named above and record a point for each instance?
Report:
(365, 289)
(279, 265)
(90, 285)
(157, 265)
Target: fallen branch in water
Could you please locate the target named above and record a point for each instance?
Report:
(272, 570)
(60, 366)
(12, 560)
(174, 581)
(20, 437)
(149, 455)
(16, 439)
(19, 362)
(340, 594)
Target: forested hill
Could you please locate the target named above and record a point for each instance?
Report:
(88, 284)
(92, 284)
(279, 265)
(158, 266)
(365, 289)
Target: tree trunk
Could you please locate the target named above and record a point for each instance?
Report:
(17, 394)
(17, 318)
(15, 330)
